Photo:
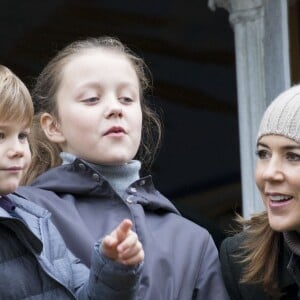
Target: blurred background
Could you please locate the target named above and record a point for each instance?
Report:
(190, 52)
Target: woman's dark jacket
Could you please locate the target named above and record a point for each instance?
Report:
(181, 259)
(288, 272)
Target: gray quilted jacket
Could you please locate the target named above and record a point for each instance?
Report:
(35, 264)
(181, 259)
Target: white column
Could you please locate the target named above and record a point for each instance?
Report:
(255, 89)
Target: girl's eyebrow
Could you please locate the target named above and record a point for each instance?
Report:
(89, 84)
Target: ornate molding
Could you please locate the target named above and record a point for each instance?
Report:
(213, 4)
(233, 6)
(244, 16)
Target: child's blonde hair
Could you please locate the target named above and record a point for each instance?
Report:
(15, 100)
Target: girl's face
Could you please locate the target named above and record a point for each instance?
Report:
(278, 179)
(100, 116)
(15, 155)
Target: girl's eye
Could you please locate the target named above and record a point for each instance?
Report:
(262, 154)
(91, 100)
(126, 99)
(2, 135)
(293, 156)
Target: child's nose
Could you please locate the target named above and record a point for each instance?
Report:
(16, 149)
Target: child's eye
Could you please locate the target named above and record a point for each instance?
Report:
(2, 135)
(23, 136)
(293, 156)
(262, 154)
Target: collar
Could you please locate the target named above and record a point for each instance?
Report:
(286, 260)
(83, 181)
(22, 221)
(7, 204)
(292, 240)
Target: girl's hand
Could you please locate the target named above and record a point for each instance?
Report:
(123, 245)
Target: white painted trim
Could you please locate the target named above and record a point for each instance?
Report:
(285, 44)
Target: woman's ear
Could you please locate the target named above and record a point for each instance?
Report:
(51, 128)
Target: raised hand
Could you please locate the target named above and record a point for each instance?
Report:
(123, 245)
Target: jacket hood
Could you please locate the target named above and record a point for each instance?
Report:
(82, 179)
(25, 221)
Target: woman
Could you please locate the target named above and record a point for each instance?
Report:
(263, 261)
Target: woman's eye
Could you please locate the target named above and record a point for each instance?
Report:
(262, 154)
(293, 156)
(2, 135)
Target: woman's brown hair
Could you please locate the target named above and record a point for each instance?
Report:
(259, 253)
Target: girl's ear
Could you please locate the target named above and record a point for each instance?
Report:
(51, 128)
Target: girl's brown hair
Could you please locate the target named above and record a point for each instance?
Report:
(45, 100)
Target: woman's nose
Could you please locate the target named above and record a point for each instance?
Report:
(273, 170)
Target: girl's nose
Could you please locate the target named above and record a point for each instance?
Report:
(116, 111)
(114, 108)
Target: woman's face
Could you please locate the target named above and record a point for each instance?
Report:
(100, 116)
(278, 179)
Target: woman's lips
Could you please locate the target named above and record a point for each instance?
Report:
(279, 200)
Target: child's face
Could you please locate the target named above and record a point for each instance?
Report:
(100, 117)
(15, 155)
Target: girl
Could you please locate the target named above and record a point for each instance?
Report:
(90, 104)
(34, 261)
(263, 261)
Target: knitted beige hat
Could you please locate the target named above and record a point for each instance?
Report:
(282, 116)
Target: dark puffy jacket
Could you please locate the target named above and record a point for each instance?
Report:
(35, 264)
(181, 259)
